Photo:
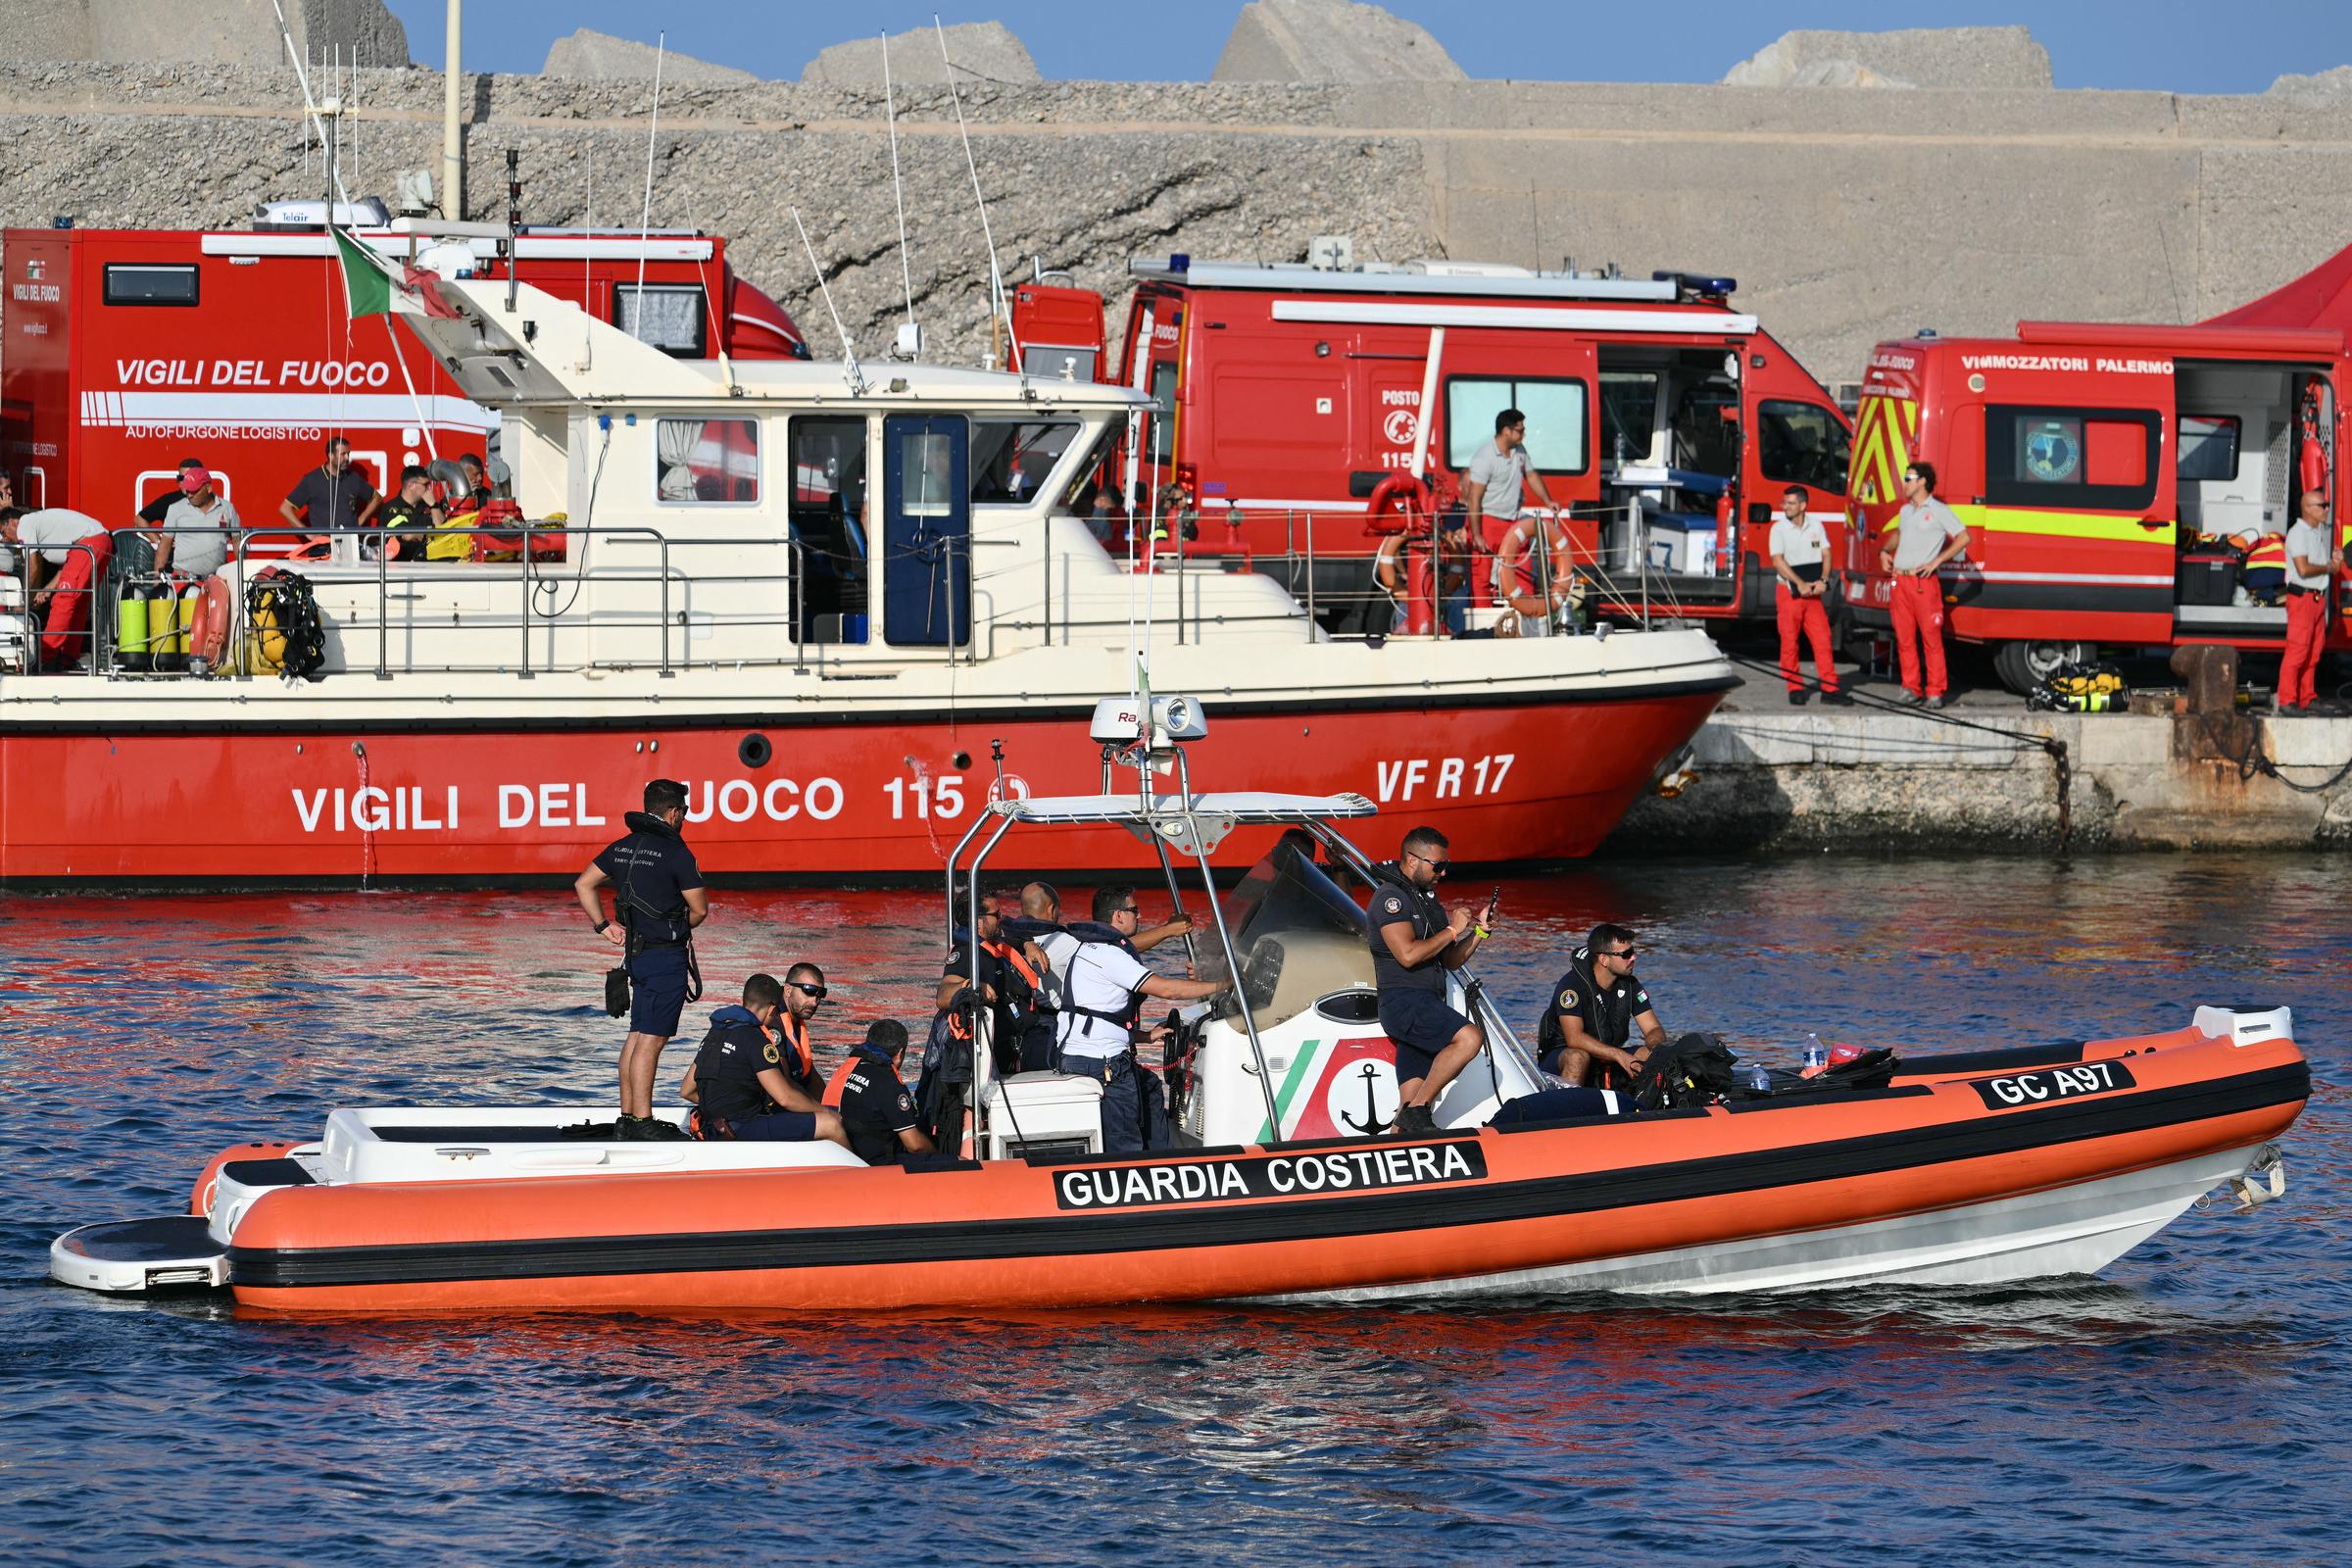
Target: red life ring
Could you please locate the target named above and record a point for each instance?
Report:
(1398, 502)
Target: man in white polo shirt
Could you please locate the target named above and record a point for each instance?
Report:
(1800, 549)
(2307, 559)
(1103, 984)
(1927, 534)
(1498, 478)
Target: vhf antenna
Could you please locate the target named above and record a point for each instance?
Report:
(911, 337)
(645, 220)
(998, 308)
(849, 356)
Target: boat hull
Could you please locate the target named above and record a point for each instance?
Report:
(1527, 779)
(1946, 1183)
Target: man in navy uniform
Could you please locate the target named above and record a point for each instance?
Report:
(872, 1100)
(659, 898)
(752, 1077)
(1595, 1009)
(1414, 943)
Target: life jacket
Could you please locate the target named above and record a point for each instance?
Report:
(1093, 933)
(2267, 554)
(799, 1063)
(1427, 916)
(646, 923)
(1605, 1012)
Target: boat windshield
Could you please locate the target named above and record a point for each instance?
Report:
(1299, 933)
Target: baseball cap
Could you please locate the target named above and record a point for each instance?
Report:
(192, 480)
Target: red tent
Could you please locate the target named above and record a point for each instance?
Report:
(2320, 298)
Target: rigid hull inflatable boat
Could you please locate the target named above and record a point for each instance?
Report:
(1981, 1168)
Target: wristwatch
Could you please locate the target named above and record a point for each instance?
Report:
(601, 926)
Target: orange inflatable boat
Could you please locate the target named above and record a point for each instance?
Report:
(1965, 1169)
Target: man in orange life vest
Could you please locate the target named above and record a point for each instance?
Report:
(1011, 980)
(872, 1100)
(745, 1082)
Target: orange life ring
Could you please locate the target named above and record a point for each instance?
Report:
(208, 638)
(1398, 502)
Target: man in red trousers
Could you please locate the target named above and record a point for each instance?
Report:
(1800, 549)
(2306, 605)
(1927, 534)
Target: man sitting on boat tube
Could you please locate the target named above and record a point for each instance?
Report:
(1414, 942)
(1103, 984)
(1595, 1007)
(747, 1083)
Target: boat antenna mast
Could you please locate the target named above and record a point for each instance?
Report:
(911, 337)
(848, 354)
(999, 310)
(645, 217)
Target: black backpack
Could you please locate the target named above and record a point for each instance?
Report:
(1695, 1070)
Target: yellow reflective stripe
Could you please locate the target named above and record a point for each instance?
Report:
(1881, 447)
(2064, 526)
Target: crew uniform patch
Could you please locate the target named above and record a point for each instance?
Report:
(1391, 904)
(772, 1054)
(1567, 1002)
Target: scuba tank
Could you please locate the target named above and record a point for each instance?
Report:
(191, 606)
(166, 650)
(130, 629)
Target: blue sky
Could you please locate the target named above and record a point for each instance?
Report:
(2173, 46)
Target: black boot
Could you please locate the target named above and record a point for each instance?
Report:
(1415, 1121)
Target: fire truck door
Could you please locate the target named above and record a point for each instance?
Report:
(926, 531)
(2075, 531)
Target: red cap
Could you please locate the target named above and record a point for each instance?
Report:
(192, 480)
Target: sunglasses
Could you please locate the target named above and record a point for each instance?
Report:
(1627, 954)
(818, 992)
(1441, 867)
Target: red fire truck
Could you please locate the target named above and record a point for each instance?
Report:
(2100, 469)
(127, 350)
(1665, 421)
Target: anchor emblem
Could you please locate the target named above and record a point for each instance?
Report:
(1373, 1121)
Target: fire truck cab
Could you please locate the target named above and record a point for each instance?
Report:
(2102, 472)
(129, 349)
(1663, 422)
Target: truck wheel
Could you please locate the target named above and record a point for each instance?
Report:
(2024, 666)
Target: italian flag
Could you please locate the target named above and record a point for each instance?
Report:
(369, 287)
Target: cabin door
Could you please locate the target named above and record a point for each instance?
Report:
(927, 532)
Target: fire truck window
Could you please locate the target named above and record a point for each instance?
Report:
(1803, 443)
(1704, 441)
(141, 283)
(1011, 459)
(829, 567)
(668, 315)
(2208, 446)
(1163, 404)
(707, 460)
(1558, 419)
(2094, 460)
(1629, 415)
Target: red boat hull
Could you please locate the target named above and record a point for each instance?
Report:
(778, 797)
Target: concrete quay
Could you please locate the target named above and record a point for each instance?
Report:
(1869, 780)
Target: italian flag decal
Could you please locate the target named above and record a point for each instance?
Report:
(371, 289)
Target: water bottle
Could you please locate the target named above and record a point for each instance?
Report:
(1757, 1077)
(1817, 1055)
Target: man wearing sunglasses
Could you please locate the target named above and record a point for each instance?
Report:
(1103, 986)
(1927, 534)
(1414, 943)
(1595, 1007)
(747, 1082)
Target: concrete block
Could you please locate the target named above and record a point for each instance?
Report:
(2335, 83)
(595, 56)
(1927, 57)
(2117, 741)
(2312, 747)
(988, 50)
(235, 32)
(1330, 40)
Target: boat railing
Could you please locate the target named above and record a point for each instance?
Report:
(26, 611)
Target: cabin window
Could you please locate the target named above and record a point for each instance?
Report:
(668, 315)
(1803, 443)
(927, 461)
(150, 283)
(2208, 446)
(1011, 459)
(2090, 460)
(1557, 419)
(831, 574)
(707, 461)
